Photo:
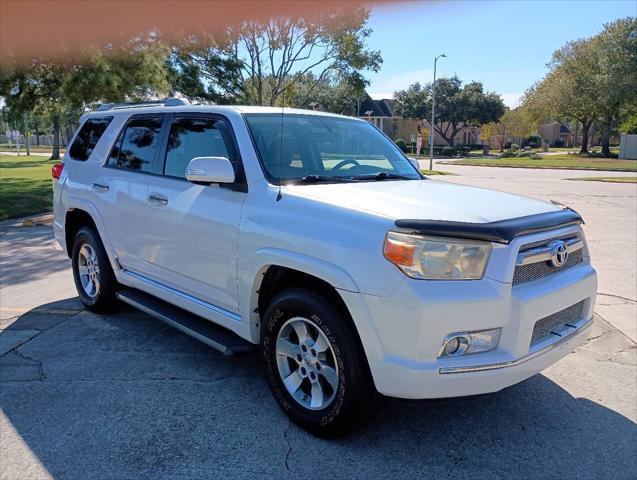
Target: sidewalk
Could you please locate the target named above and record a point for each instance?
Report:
(24, 152)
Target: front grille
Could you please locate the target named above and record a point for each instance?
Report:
(535, 271)
(544, 327)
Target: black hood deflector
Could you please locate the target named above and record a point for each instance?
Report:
(502, 231)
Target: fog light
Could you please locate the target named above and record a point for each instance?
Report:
(452, 346)
(458, 344)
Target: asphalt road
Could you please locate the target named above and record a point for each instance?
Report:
(123, 396)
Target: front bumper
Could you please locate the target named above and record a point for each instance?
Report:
(410, 325)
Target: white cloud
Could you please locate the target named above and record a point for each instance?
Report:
(511, 100)
(386, 87)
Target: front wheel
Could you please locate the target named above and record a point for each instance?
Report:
(315, 365)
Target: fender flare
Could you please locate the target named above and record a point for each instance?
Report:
(78, 203)
(328, 272)
(264, 258)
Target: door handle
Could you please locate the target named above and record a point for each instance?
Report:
(158, 198)
(100, 188)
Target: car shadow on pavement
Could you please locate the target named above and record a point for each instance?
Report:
(124, 396)
(21, 266)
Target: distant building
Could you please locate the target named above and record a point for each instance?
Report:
(556, 134)
(382, 114)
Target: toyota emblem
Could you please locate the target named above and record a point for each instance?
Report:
(559, 253)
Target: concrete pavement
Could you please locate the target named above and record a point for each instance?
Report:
(124, 396)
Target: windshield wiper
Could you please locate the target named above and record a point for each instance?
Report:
(385, 176)
(320, 179)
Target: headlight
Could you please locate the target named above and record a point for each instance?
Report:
(436, 258)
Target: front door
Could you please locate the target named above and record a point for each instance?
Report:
(193, 235)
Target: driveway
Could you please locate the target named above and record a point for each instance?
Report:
(123, 396)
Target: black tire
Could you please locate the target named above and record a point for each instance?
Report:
(104, 298)
(354, 400)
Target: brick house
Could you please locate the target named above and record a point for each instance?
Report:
(381, 113)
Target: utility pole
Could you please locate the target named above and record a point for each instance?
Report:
(433, 109)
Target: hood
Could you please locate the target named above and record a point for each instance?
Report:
(424, 199)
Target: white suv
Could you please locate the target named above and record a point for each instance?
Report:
(312, 236)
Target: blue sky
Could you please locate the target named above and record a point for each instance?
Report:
(503, 44)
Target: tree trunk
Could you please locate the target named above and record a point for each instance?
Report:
(586, 126)
(606, 130)
(55, 155)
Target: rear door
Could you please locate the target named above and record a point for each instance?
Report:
(193, 236)
(121, 190)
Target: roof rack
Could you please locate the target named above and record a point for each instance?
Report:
(168, 102)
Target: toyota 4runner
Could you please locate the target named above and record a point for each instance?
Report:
(313, 237)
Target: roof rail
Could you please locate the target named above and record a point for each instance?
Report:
(168, 102)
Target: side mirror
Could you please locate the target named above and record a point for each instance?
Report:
(207, 170)
(414, 162)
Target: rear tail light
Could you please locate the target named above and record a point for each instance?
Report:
(56, 170)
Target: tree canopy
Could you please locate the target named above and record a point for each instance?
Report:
(261, 62)
(590, 80)
(55, 90)
(457, 106)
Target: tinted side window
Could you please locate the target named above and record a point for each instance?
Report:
(87, 138)
(135, 149)
(196, 137)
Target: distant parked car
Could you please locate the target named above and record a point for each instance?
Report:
(313, 237)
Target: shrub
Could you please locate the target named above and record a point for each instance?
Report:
(558, 143)
(447, 151)
(515, 147)
(534, 141)
(508, 154)
(400, 143)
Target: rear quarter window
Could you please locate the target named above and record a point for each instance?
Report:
(88, 136)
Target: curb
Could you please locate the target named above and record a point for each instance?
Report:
(29, 221)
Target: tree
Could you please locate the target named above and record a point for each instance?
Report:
(269, 59)
(333, 93)
(457, 106)
(515, 123)
(201, 71)
(590, 80)
(488, 132)
(58, 90)
(615, 50)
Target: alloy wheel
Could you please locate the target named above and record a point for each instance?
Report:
(307, 364)
(89, 270)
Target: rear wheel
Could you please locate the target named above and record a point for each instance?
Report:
(315, 365)
(94, 278)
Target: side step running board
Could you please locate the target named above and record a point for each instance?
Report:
(217, 337)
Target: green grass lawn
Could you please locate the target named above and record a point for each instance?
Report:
(436, 172)
(25, 185)
(607, 179)
(569, 162)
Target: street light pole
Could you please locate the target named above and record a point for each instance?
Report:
(433, 109)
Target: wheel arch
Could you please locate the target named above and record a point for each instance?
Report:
(275, 278)
(74, 220)
(83, 214)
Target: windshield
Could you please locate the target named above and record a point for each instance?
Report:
(321, 148)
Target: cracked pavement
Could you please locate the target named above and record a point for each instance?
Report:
(124, 396)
